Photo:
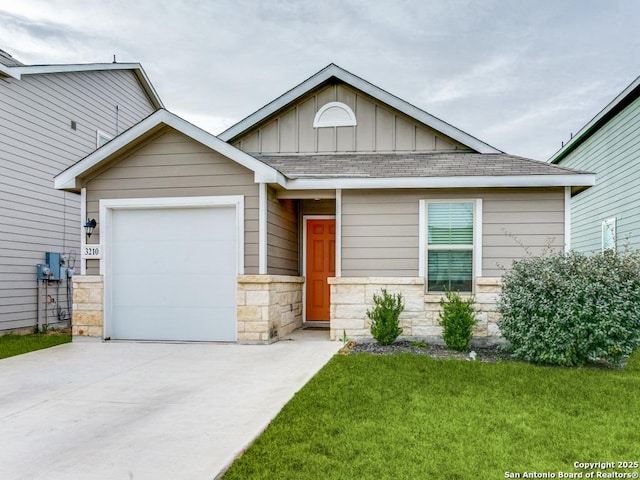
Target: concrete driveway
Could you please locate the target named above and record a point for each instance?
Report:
(92, 410)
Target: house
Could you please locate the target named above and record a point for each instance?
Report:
(299, 213)
(607, 215)
(52, 116)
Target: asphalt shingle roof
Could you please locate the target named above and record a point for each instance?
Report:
(410, 164)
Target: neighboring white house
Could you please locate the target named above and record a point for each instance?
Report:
(50, 117)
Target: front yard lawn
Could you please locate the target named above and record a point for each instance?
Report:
(11, 344)
(413, 417)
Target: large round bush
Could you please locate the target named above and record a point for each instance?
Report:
(572, 309)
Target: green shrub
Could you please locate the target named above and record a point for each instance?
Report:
(572, 309)
(384, 317)
(457, 318)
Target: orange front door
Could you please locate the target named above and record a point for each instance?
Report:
(321, 263)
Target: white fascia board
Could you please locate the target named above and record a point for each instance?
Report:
(370, 89)
(75, 67)
(444, 182)
(67, 179)
(579, 137)
(10, 71)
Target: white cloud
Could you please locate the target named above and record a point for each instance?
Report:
(510, 73)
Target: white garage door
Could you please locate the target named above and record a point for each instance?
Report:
(173, 274)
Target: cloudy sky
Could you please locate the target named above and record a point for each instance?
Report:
(520, 75)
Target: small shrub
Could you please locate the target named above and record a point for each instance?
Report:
(385, 316)
(572, 309)
(457, 318)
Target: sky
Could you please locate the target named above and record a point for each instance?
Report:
(521, 75)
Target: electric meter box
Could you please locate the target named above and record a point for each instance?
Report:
(53, 260)
(43, 271)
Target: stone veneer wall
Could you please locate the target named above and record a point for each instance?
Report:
(88, 299)
(268, 307)
(351, 298)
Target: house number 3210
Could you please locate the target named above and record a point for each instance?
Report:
(91, 251)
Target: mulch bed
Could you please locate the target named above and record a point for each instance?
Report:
(493, 353)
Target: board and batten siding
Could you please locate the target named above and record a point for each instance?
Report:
(282, 236)
(380, 128)
(36, 143)
(380, 227)
(174, 165)
(613, 154)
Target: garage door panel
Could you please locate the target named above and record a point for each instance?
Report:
(203, 290)
(193, 258)
(173, 324)
(177, 281)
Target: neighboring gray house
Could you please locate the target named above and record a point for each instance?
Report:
(50, 117)
(300, 213)
(607, 215)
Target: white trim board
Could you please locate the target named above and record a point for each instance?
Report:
(262, 229)
(567, 219)
(443, 182)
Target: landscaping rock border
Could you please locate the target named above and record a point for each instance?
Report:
(494, 353)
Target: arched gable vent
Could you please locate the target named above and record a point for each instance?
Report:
(334, 114)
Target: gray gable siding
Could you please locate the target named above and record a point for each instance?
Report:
(380, 128)
(613, 153)
(36, 143)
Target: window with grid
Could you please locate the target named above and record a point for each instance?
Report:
(450, 246)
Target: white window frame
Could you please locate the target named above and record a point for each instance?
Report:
(101, 135)
(423, 252)
(609, 223)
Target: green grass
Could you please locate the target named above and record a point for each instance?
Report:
(11, 344)
(413, 417)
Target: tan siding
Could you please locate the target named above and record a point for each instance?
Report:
(425, 140)
(282, 236)
(380, 228)
(288, 132)
(365, 112)
(269, 138)
(317, 207)
(405, 134)
(379, 128)
(384, 133)
(36, 143)
(306, 136)
(174, 165)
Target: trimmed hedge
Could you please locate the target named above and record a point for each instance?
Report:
(385, 317)
(458, 317)
(572, 309)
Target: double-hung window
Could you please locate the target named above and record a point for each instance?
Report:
(450, 245)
